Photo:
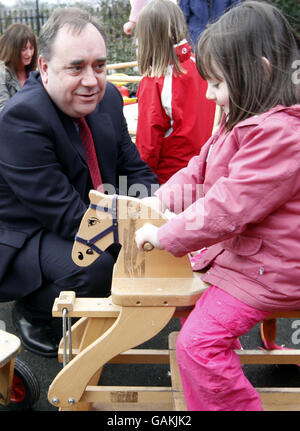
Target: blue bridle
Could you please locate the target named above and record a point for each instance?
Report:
(113, 228)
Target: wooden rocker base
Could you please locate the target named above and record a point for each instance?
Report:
(96, 341)
(109, 333)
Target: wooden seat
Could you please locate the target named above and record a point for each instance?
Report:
(10, 346)
(148, 290)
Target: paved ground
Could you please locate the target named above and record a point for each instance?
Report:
(259, 375)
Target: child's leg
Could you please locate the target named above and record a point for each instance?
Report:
(211, 372)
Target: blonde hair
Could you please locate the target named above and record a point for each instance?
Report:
(160, 26)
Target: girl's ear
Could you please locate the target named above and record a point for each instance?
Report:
(266, 61)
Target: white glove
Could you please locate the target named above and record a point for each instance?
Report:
(147, 233)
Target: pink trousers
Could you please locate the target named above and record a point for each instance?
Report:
(211, 372)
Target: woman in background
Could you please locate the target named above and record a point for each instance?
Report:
(18, 57)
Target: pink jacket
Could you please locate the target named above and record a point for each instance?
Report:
(242, 200)
(136, 7)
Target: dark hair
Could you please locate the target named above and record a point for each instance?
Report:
(13, 40)
(74, 17)
(240, 45)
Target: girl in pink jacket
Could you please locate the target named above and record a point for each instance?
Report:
(245, 205)
(173, 124)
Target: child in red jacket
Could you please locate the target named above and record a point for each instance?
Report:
(174, 117)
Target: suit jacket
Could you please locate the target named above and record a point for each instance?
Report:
(44, 176)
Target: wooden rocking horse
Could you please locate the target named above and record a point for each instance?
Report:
(148, 289)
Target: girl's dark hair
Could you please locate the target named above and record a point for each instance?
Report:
(257, 51)
(13, 40)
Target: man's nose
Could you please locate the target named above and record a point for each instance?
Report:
(89, 77)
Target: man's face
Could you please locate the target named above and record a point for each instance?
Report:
(75, 76)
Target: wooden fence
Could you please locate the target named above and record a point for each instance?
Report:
(33, 18)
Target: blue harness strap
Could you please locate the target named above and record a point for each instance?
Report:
(113, 228)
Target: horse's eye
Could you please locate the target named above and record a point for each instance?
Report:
(89, 251)
(80, 255)
(92, 221)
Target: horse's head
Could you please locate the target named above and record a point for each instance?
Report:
(98, 226)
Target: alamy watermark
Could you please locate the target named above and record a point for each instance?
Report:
(186, 197)
(296, 73)
(296, 334)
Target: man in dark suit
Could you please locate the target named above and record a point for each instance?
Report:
(45, 178)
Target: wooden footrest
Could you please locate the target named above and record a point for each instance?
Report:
(257, 356)
(178, 397)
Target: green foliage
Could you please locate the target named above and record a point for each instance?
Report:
(113, 14)
(291, 9)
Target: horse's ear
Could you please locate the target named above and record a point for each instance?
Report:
(91, 195)
(94, 194)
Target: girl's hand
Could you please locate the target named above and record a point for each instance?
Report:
(147, 233)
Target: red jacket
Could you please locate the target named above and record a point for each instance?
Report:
(174, 119)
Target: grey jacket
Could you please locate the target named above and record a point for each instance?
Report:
(9, 84)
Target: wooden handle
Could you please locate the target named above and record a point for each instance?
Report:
(147, 246)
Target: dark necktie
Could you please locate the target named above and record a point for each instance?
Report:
(89, 147)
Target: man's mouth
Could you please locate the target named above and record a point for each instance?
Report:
(89, 95)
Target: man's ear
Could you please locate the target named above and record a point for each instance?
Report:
(43, 67)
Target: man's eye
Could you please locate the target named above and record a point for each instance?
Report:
(75, 69)
(99, 67)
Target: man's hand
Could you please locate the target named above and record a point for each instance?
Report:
(147, 233)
